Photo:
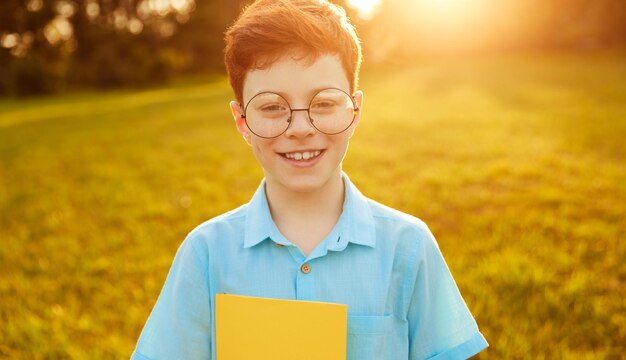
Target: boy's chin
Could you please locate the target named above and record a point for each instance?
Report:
(303, 184)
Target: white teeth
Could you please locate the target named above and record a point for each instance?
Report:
(303, 155)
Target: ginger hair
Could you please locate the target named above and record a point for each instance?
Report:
(269, 30)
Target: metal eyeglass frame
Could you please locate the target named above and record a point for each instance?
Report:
(311, 120)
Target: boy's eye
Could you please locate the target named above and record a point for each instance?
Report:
(323, 104)
(273, 108)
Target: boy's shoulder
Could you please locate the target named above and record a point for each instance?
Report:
(229, 220)
(409, 236)
(405, 232)
(382, 212)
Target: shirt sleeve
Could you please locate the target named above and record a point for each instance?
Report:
(441, 326)
(179, 326)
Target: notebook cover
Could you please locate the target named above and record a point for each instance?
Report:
(274, 329)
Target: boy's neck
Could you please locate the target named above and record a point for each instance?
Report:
(306, 218)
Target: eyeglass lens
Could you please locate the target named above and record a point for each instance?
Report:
(331, 111)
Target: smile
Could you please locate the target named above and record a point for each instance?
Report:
(304, 155)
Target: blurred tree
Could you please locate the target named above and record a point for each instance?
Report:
(48, 45)
(28, 65)
(120, 42)
(200, 39)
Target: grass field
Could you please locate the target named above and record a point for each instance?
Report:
(517, 163)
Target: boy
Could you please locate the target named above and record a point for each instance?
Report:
(308, 233)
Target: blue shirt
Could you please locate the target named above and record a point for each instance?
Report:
(385, 265)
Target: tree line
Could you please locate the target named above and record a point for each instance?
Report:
(49, 46)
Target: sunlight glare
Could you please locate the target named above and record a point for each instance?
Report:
(446, 8)
(365, 8)
(450, 20)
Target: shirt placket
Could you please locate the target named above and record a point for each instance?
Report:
(305, 277)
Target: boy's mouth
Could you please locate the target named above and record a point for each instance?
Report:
(302, 155)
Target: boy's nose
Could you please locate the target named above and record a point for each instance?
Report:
(300, 124)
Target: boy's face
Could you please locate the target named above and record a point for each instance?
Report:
(298, 82)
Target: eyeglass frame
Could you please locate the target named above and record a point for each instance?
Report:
(308, 111)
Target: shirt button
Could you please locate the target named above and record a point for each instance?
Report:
(279, 245)
(305, 268)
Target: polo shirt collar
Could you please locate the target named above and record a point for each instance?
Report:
(355, 225)
(259, 223)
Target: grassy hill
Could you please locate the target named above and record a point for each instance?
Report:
(517, 163)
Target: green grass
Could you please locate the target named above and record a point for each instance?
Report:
(517, 163)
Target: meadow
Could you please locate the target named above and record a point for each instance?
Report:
(517, 163)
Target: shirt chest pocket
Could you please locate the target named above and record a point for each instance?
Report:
(369, 337)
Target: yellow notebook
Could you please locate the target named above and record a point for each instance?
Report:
(271, 329)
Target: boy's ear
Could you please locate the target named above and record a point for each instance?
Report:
(358, 99)
(240, 122)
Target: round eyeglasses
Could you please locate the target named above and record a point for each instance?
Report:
(331, 111)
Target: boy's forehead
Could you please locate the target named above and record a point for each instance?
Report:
(297, 77)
